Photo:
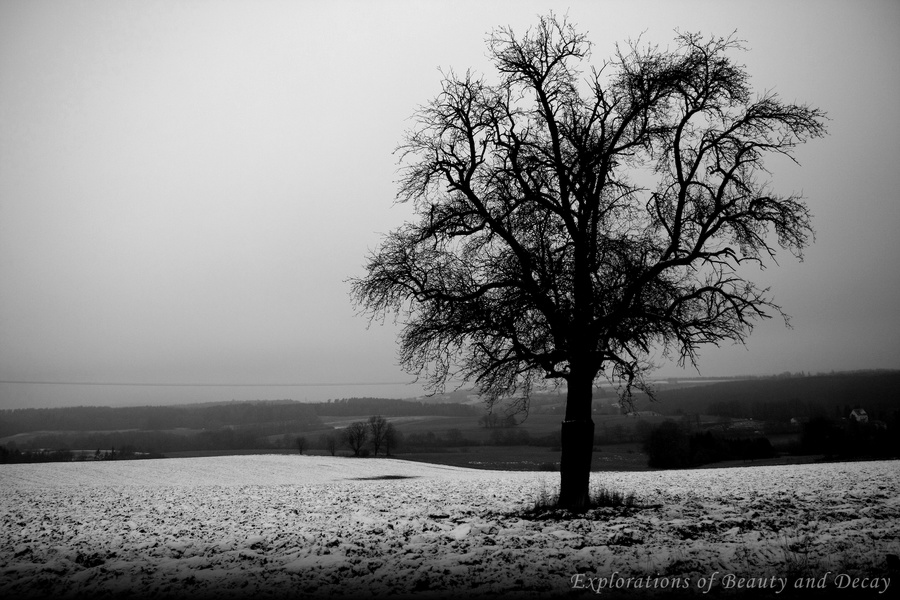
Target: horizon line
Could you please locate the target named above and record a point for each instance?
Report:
(376, 383)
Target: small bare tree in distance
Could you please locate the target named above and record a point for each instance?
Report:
(392, 438)
(355, 436)
(377, 429)
(572, 221)
(329, 442)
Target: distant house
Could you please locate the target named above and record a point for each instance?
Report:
(859, 415)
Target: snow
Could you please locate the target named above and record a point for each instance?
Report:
(275, 526)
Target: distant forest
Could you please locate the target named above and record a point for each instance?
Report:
(149, 430)
(786, 397)
(389, 407)
(94, 432)
(294, 415)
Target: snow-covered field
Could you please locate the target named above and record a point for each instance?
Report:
(300, 526)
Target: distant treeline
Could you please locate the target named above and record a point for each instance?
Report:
(670, 445)
(195, 427)
(453, 438)
(225, 438)
(14, 455)
(785, 398)
(299, 416)
(11, 456)
(390, 407)
(849, 439)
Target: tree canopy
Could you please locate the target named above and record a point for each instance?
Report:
(607, 212)
(572, 221)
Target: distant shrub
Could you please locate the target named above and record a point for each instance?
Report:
(551, 440)
(329, 442)
(669, 446)
(849, 439)
(821, 436)
(510, 437)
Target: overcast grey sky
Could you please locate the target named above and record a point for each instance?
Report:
(185, 186)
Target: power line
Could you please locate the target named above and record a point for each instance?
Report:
(148, 384)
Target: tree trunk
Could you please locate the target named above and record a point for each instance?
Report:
(577, 446)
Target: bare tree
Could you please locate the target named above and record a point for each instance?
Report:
(355, 436)
(573, 221)
(392, 438)
(377, 429)
(301, 444)
(329, 442)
